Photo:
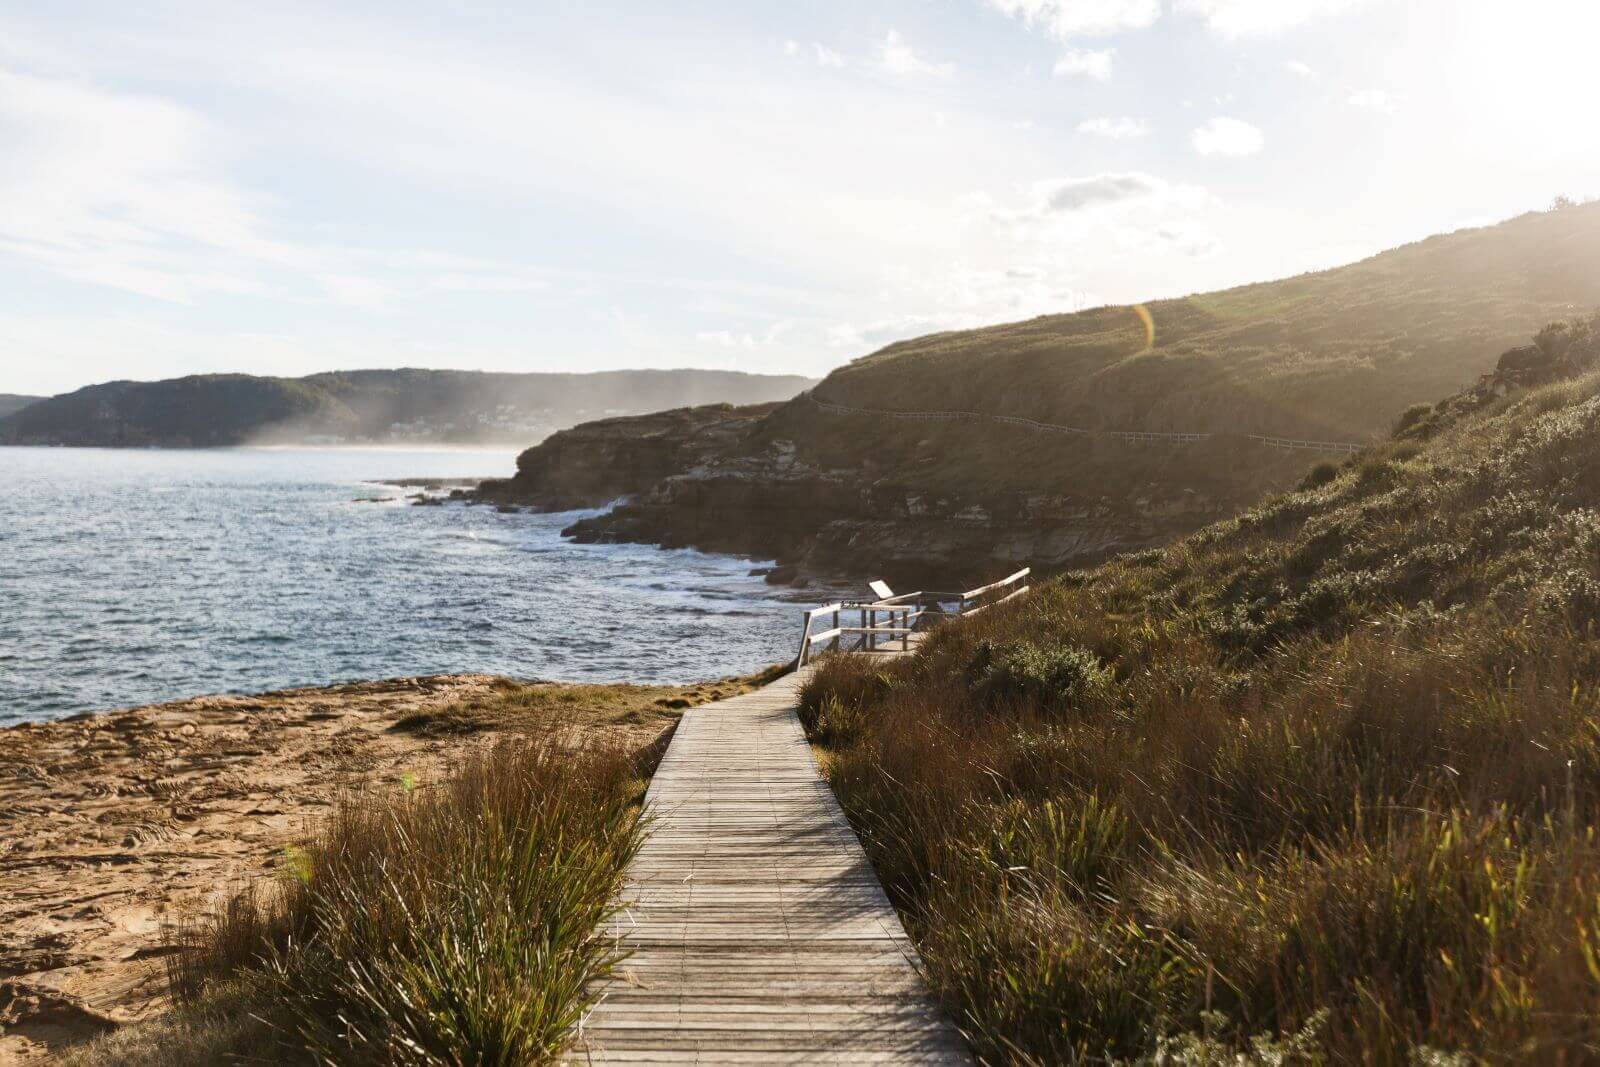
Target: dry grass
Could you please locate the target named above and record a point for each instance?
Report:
(519, 707)
(218, 1029)
(457, 924)
(1319, 782)
(1335, 355)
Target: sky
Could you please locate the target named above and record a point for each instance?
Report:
(774, 187)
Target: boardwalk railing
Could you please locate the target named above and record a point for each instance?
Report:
(896, 618)
(1292, 443)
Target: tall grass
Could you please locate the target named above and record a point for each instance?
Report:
(459, 924)
(1321, 782)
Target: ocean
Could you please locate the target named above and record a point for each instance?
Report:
(136, 576)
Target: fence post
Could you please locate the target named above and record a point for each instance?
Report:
(836, 634)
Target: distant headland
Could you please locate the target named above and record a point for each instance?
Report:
(365, 407)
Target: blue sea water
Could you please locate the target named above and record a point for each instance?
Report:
(129, 577)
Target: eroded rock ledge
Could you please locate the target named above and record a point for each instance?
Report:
(728, 480)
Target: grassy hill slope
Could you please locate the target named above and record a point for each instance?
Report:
(1331, 355)
(1334, 355)
(1327, 773)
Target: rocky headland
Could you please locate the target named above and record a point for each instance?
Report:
(925, 464)
(732, 480)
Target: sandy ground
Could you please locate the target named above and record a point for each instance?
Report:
(113, 824)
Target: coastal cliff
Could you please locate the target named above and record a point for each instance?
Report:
(1065, 439)
(717, 480)
(598, 462)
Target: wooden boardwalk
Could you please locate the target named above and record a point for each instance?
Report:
(757, 929)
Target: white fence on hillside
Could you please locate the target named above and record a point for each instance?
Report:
(903, 615)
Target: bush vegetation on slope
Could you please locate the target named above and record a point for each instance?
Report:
(1334, 354)
(1325, 776)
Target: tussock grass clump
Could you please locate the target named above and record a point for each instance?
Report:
(1321, 782)
(455, 924)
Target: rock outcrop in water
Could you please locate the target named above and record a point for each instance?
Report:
(830, 522)
(598, 462)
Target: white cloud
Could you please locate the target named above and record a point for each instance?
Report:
(95, 185)
(898, 58)
(1120, 128)
(1227, 137)
(746, 339)
(1060, 205)
(826, 57)
(1077, 194)
(131, 192)
(488, 283)
(355, 290)
(726, 338)
(1239, 18)
(1373, 100)
(1085, 63)
(695, 194)
(1188, 238)
(1066, 19)
(1294, 66)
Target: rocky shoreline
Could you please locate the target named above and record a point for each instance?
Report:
(730, 480)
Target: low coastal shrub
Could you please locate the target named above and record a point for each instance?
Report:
(455, 924)
(833, 697)
(1058, 677)
(1319, 784)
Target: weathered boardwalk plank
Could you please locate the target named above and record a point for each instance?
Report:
(757, 929)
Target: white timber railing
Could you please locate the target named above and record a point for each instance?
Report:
(895, 618)
(1291, 443)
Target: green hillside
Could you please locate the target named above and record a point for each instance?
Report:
(372, 405)
(10, 402)
(199, 412)
(1335, 354)
(1323, 777)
